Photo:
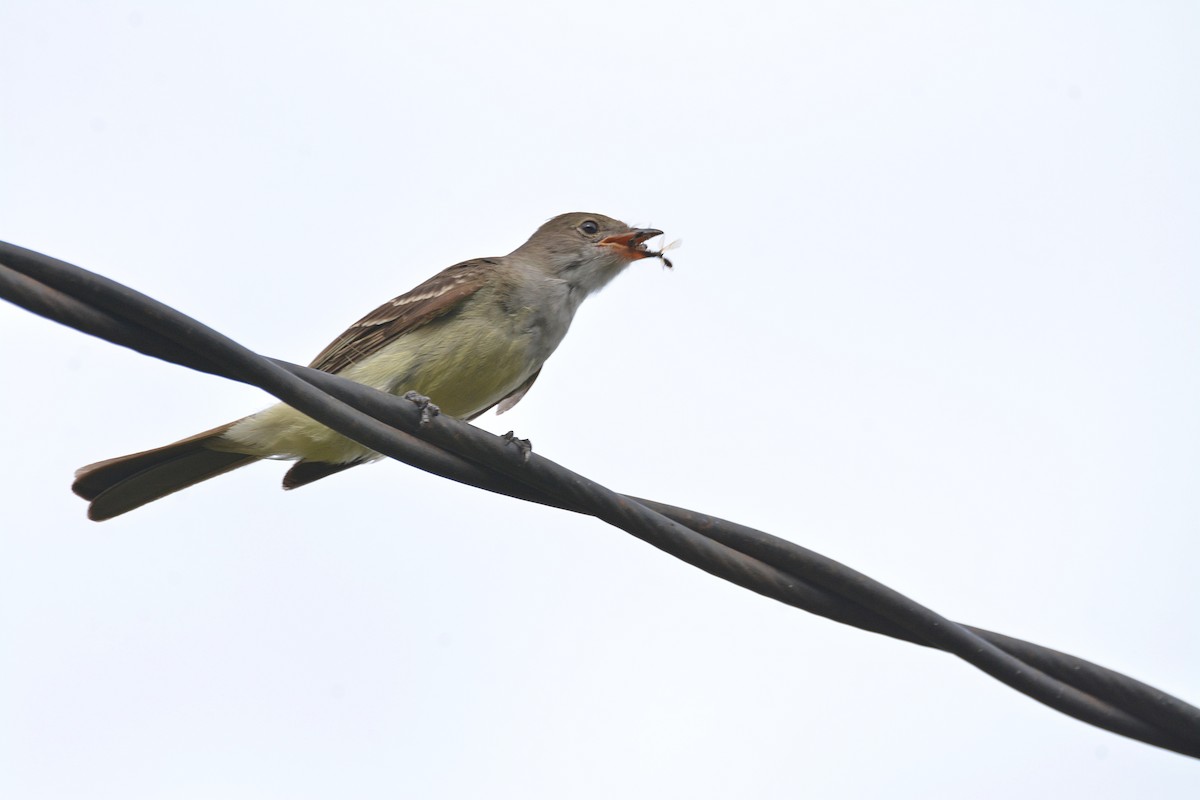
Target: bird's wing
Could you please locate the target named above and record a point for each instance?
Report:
(432, 299)
(509, 400)
(517, 394)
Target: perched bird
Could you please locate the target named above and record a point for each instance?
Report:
(472, 337)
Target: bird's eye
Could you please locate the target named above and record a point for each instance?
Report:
(589, 227)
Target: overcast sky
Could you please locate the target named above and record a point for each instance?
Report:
(936, 315)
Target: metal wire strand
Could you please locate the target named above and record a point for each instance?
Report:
(765, 564)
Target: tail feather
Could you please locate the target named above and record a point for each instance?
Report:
(124, 483)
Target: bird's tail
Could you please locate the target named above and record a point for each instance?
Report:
(124, 483)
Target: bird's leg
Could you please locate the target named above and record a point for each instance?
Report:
(523, 445)
(428, 409)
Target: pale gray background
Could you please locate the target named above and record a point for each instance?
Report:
(935, 316)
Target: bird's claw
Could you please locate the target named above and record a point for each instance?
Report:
(523, 445)
(428, 409)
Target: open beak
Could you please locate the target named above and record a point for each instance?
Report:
(634, 241)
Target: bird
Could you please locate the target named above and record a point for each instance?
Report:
(471, 338)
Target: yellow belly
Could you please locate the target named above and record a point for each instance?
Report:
(463, 364)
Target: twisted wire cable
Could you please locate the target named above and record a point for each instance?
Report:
(758, 561)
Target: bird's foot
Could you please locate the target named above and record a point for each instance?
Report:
(428, 409)
(523, 445)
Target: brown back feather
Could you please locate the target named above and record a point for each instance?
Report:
(430, 300)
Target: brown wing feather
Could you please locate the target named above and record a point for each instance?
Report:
(434, 298)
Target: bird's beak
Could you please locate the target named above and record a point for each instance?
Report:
(633, 242)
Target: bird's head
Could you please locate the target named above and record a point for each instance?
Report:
(587, 250)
